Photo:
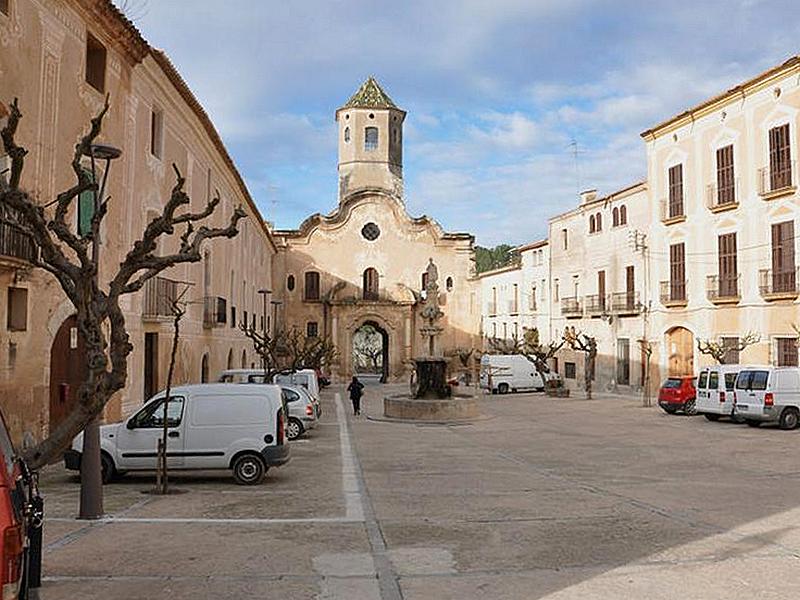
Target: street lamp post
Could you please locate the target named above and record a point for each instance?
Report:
(91, 503)
(264, 293)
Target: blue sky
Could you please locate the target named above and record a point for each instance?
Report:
(495, 91)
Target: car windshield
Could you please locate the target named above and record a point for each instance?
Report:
(752, 380)
(730, 380)
(672, 383)
(703, 380)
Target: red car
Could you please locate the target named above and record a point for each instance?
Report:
(13, 518)
(678, 394)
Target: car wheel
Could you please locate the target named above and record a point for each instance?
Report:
(541, 389)
(789, 418)
(753, 422)
(107, 470)
(503, 388)
(249, 469)
(294, 429)
(711, 417)
(689, 408)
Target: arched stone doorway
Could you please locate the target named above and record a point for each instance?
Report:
(68, 370)
(680, 351)
(370, 351)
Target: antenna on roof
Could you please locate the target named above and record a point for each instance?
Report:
(575, 152)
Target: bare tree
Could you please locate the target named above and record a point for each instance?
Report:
(67, 256)
(646, 347)
(718, 349)
(306, 352)
(368, 348)
(530, 346)
(581, 342)
(266, 346)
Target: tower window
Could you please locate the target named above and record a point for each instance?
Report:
(95, 63)
(371, 138)
(156, 132)
(290, 283)
(347, 134)
(370, 231)
(449, 284)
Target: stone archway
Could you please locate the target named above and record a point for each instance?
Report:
(680, 351)
(370, 350)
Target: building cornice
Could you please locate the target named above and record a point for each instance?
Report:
(741, 91)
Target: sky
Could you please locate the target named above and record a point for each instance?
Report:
(514, 106)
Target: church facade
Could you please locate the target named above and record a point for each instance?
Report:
(365, 262)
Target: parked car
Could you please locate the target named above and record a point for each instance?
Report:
(211, 426)
(304, 377)
(242, 376)
(715, 391)
(13, 522)
(504, 373)
(678, 394)
(303, 410)
(769, 395)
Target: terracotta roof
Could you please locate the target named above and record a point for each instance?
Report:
(714, 103)
(532, 245)
(370, 95)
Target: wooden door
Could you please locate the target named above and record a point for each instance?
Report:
(67, 370)
(680, 346)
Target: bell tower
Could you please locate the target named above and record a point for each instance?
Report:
(370, 142)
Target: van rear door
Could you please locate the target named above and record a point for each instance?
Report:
(751, 386)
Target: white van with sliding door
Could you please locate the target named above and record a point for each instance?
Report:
(504, 373)
(209, 426)
(715, 390)
(769, 395)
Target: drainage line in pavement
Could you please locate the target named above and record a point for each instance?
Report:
(387, 578)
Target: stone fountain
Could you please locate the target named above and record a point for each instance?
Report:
(431, 398)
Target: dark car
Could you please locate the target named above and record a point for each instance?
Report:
(677, 394)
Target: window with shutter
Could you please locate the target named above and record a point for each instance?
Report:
(787, 352)
(728, 268)
(676, 191)
(312, 285)
(677, 272)
(371, 284)
(783, 262)
(726, 188)
(780, 158)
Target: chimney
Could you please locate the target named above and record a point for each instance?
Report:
(588, 196)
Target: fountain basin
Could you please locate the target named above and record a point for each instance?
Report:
(454, 408)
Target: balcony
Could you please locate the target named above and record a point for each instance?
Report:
(720, 198)
(723, 289)
(625, 303)
(672, 212)
(571, 308)
(777, 180)
(673, 293)
(160, 294)
(779, 285)
(595, 305)
(17, 248)
(215, 312)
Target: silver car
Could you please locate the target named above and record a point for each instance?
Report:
(303, 410)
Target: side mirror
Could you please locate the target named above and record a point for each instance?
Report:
(130, 425)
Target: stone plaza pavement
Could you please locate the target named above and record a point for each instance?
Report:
(544, 498)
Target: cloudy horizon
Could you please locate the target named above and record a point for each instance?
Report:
(499, 95)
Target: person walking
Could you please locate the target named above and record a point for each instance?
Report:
(356, 389)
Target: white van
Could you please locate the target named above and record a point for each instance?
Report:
(304, 377)
(242, 376)
(769, 395)
(715, 390)
(504, 373)
(210, 426)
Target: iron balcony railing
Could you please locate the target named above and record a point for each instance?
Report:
(672, 211)
(160, 294)
(571, 307)
(673, 292)
(595, 304)
(722, 197)
(625, 303)
(215, 311)
(776, 178)
(776, 284)
(723, 288)
(15, 242)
